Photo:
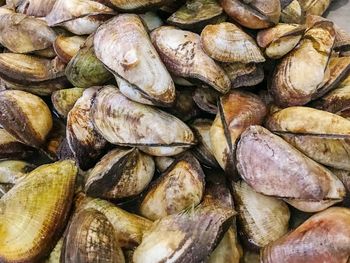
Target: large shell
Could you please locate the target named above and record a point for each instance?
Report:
(300, 74)
(180, 187)
(86, 144)
(123, 45)
(244, 75)
(38, 8)
(128, 227)
(262, 219)
(119, 174)
(85, 70)
(25, 116)
(325, 237)
(38, 215)
(10, 147)
(186, 237)
(182, 53)
(127, 123)
(312, 7)
(273, 167)
(226, 42)
(325, 141)
(90, 238)
(67, 47)
(64, 100)
(253, 14)
(237, 111)
(22, 34)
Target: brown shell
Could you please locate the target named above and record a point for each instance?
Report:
(67, 47)
(206, 99)
(38, 8)
(10, 147)
(312, 7)
(137, 5)
(292, 12)
(244, 75)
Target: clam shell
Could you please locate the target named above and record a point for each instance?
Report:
(39, 215)
(182, 54)
(123, 45)
(10, 147)
(253, 14)
(64, 100)
(263, 157)
(322, 238)
(54, 139)
(226, 42)
(119, 174)
(38, 8)
(325, 141)
(299, 75)
(292, 13)
(124, 122)
(244, 75)
(45, 53)
(312, 7)
(137, 5)
(25, 116)
(181, 186)
(206, 99)
(67, 47)
(90, 238)
(23, 34)
(86, 144)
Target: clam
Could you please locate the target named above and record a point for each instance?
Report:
(90, 238)
(64, 100)
(226, 42)
(10, 147)
(86, 144)
(119, 174)
(38, 8)
(25, 116)
(291, 12)
(280, 39)
(204, 150)
(124, 47)
(322, 238)
(182, 54)
(23, 34)
(162, 162)
(79, 16)
(301, 73)
(127, 123)
(40, 215)
(152, 20)
(244, 75)
(12, 171)
(128, 227)
(253, 14)
(262, 219)
(196, 14)
(67, 47)
(325, 141)
(273, 167)
(85, 70)
(237, 111)
(189, 236)
(206, 99)
(138, 5)
(312, 7)
(181, 186)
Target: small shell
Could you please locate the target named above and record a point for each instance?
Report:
(67, 47)
(163, 163)
(244, 75)
(206, 99)
(292, 12)
(152, 20)
(136, 5)
(12, 171)
(64, 100)
(226, 42)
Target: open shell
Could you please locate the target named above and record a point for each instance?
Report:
(123, 45)
(182, 54)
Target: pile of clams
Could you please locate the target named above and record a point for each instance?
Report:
(173, 131)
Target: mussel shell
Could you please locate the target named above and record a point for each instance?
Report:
(225, 42)
(90, 238)
(25, 116)
(244, 75)
(262, 219)
(86, 144)
(181, 186)
(12, 171)
(38, 8)
(206, 99)
(64, 100)
(263, 157)
(325, 141)
(123, 45)
(67, 47)
(10, 147)
(183, 56)
(292, 13)
(40, 215)
(137, 5)
(23, 34)
(312, 7)
(322, 238)
(127, 123)
(119, 174)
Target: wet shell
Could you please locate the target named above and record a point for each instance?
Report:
(23, 34)
(182, 54)
(127, 123)
(244, 75)
(325, 141)
(39, 216)
(322, 238)
(226, 42)
(90, 238)
(259, 155)
(86, 144)
(10, 147)
(253, 14)
(181, 186)
(119, 174)
(299, 75)
(123, 45)
(38, 8)
(64, 100)
(67, 47)
(25, 116)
